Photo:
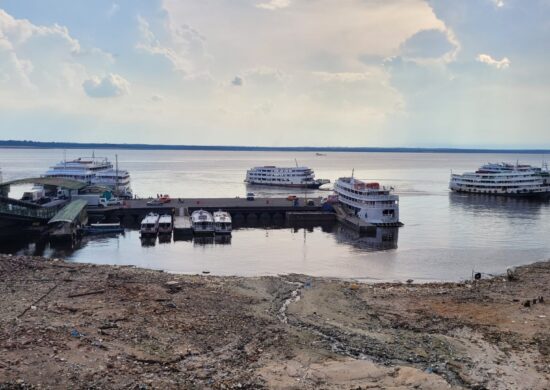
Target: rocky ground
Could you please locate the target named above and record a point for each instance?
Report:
(66, 325)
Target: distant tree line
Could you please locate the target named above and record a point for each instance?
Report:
(75, 145)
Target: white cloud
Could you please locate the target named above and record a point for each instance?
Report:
(274, 4)
(344, 77)
(111, 85)
(157, 98)
(113, 10)
(150, 44)
(504, 63)
(498, 3)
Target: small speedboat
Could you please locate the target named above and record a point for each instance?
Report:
(102, 228)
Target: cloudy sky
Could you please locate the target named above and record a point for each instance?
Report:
(277, 72)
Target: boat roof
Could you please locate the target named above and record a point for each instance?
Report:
(222, 216)
(165, 217)
(150, 218)
(70, 212)
(48, 181)
(201, 216)
(274, 167)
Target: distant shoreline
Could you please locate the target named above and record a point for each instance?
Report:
(11, 144)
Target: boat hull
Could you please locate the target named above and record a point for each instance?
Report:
(309, 186)
(524, 195)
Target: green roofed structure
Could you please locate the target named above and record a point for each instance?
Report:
(73, 212)
(48, 181)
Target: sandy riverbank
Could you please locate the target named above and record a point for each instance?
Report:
(66, 325)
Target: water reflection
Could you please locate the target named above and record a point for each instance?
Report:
(222, 239)
(148, 241)
(165, 238)
(375, 239)
(203, 240)
(497, 205)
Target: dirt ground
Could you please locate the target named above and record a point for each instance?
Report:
(66, 325)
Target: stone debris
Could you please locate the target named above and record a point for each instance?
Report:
(68, 325)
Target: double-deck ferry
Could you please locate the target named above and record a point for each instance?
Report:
(370, 202)
(93, 171)
(297, 177)
(514, 180)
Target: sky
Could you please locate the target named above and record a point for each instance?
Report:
(409, 73)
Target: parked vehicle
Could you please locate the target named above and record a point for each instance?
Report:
(34, 195)
(250, 196)
(165, 198)
(291, 197)
(94, 200)
(154, 202)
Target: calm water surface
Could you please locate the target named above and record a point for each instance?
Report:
(445, 236)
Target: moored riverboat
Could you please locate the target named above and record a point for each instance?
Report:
(504, 179)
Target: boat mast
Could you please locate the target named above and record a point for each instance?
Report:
(116, 173)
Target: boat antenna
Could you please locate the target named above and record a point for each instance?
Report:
(116, 173)
(352, 172)
(65, 158)
(296, 161)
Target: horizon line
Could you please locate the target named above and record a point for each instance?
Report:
(27, 144)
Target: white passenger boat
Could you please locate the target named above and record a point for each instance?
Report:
(222, 222)
(504, 179)
(202, 222)
(93, 171)
(296, 177)
(150, 224)
(370, 202)
(165, 224)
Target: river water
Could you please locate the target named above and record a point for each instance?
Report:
(446, 236)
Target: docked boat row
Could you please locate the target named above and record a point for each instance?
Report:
(154, 224)
(205, 223)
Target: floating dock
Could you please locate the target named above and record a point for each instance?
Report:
(182, 224)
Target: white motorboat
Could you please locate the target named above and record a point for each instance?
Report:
(165, 224)
(202, 222)
(222, 222)
(150, 224)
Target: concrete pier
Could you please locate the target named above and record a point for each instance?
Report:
(237, 207)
